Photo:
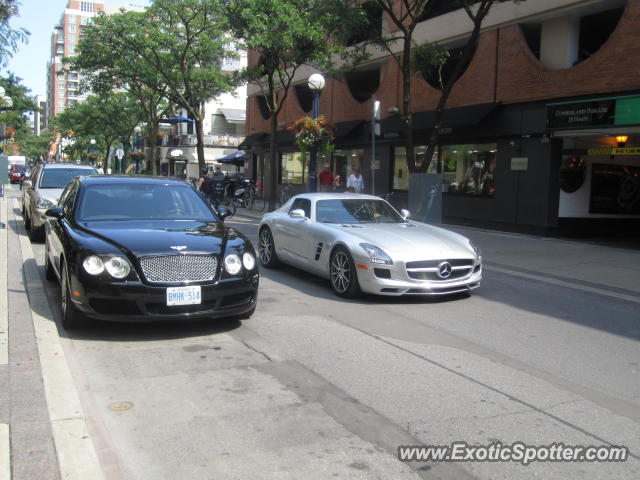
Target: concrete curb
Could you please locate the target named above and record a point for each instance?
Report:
(77, 458)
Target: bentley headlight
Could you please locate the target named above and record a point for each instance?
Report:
(118, 267)
(376, 254)
(232, 264)
(248, 261)
(93, 265)
(44, 204)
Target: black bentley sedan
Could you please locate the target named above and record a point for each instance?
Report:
(146, 248)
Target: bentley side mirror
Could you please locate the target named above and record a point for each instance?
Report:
(224, 212)
(26, 183)
(405, 213)
(55, 212)
(297, 213)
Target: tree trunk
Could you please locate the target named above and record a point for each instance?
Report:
(407, 112)
(152, 138)
(198, 119)
(272, 171)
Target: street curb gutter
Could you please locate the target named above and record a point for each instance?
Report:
(5, 451)
(4, 312)
(77, 458)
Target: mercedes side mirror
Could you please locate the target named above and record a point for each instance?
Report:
(297, 213)
(405, 213)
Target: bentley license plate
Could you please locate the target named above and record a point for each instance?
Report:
(184, 295)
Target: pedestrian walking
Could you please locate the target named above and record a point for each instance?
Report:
(326, 178)
(355, 180)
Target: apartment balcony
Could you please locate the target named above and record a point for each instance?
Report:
(190, 140)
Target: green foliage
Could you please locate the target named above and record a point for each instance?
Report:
(174, 50)
(428, 60)
(36, 147)
(10, 37)
(107, 118)
(16, 115)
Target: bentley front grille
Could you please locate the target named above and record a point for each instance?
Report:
(179, 268)
(439, 270)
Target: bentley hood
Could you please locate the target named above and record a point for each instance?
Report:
(162, 237)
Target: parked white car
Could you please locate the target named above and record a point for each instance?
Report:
(43, 190)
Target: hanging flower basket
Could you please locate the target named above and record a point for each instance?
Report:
(310, 133)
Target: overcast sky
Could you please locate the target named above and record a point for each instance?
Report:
(39, 17)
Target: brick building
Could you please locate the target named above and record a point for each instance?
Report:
(529, 139)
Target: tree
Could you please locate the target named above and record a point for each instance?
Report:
(109, 118)
(405, 17)
(104, 61)
(10, 37)
(14, 118)
(36, 147)
(176, 49)
(288, 35)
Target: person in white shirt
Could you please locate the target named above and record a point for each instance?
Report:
(355, 180)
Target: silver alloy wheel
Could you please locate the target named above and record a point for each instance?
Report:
(265, 246)
(340, 272)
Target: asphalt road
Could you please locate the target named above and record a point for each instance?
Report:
(317, 387)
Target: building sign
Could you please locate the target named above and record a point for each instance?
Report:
(594, 113)
(614, 151)
(519, 163)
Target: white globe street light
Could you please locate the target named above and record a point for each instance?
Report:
(316, 83)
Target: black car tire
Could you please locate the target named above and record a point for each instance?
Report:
(27, 220)
(35, 234)
(267, 249)
(71, 316)
(342, 273)
(49, 272)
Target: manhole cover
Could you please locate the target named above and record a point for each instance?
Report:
(120, 406)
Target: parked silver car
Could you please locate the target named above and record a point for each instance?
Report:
(362, 244)
(43, 190)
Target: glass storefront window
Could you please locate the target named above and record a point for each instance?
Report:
(343, 162)
(469, 168)
(294, 167)
(401, 170)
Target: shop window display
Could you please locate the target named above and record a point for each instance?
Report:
(467, 168)
(294, 168)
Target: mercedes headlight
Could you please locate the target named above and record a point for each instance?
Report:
(248, 260)
(118, 267)
(232, 264)
(376, 255)
(93, 265)
(44, 204)
(475, 249)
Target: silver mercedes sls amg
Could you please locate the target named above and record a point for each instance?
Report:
(362, 244)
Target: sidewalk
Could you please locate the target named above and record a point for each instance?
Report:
(43, 433)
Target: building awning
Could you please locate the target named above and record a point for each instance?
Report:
(172, 120)
(253, 139)
(452, 118)
(233, 115)
(344, 129)
(235, 158)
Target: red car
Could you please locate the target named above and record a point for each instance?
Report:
(16, 172)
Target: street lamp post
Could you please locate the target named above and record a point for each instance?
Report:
(316, 84)
(375, 130)
(137, 130)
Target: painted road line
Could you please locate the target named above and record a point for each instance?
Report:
(76, 454)
(5, 452)
(562, 283)
(4, 312)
